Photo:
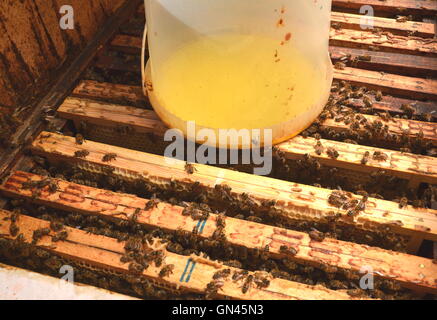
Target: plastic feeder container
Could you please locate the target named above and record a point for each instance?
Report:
(238, 64)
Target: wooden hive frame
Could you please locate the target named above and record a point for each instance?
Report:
(105, 253)
(415, 272)
(403, 64)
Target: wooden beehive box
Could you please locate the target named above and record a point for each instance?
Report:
(85, 183)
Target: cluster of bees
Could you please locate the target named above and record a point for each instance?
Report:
(378, 184)
(244, 278)
(345, 201)
(344, 103)
(142, 249)
(198, 201)
(141, 252)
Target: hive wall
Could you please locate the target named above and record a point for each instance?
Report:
(33, 47)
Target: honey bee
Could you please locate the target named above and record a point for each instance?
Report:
(109, 157)
(417, 203)
(221, 274)
(316, 235)
(60, 236)
(340, 65)
(189, 168)
(151, 204)
(136, 268)
(380, 156)
(238, 275)
(287, 250)
(336, 25)
(247, 284)
(125, 258)
(365, 158)
(219, 235)
(39, 233)
(378, 96)
(81, 153)
(158, 257)
(261, 280)
(166, 270)
(332, 153)
(366, 58)
(355, 292)
(319, 148)
(403, 18)
(254, 219)
(212, 289)
(53, 263)
(20, 239)
(13, 229)
(134, 244)
(367, 102)
(56, 226)
(199, 215)
(408, 109)
(79, 139)
(53, 186)
(14, 216)
(336, 284)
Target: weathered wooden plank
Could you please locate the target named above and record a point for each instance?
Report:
(110, 114)
(147, 121)
(383, 42)
(409, 128)
(392, 7)
(115, 93)
(354, 21)
(403, 165)
(295, 200)
(412, 167)
(345, 255)
(105, 252)
(396, 63)
(409, 87)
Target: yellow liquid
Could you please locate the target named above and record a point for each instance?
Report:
(238, 81)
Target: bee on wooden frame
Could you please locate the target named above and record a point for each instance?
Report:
(166, 270)
(81, 153)
(189, 168)
(109, 157)
(79, 139)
